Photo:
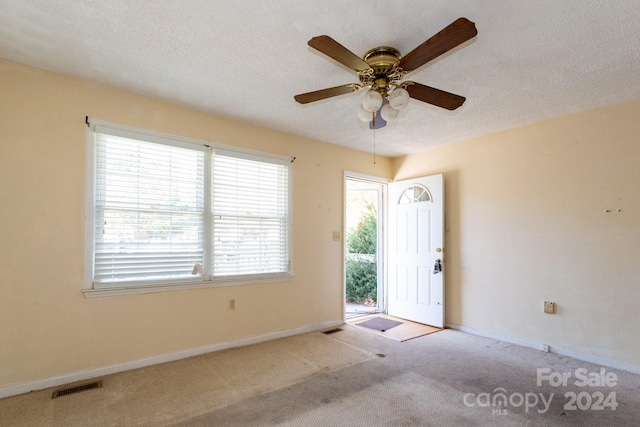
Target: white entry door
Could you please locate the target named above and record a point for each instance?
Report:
(416, 245)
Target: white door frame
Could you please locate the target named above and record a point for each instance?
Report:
(382, 236)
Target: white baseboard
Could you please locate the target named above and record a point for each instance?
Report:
(623, 366)
(15, 389)
(511, 340)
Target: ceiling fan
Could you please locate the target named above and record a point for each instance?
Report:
(382, 68)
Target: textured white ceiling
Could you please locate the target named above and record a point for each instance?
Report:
(246, 59)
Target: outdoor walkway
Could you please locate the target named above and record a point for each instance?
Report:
(355, 310)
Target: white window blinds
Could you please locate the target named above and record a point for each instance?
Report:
(168, 211)
(149, 211)
(250, 209)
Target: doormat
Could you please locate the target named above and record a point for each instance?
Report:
(379, 324)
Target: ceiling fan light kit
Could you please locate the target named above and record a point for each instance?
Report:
(381, 70)
(398, 98)
(372, 101)
(363, 114)
(388, 113)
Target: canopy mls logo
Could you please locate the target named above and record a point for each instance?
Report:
(501, 402)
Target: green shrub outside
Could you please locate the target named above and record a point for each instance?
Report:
(364, 239)
(362, 282)
(361, 274)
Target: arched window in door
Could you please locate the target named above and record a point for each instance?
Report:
(414, 194)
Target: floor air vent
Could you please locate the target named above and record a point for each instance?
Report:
(332, 331)
(76, 389)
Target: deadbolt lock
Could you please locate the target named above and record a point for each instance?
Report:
(438, 249)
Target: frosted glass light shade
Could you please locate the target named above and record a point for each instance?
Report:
(364, 115)
(372, 101)
(398, 98)
(389, 113)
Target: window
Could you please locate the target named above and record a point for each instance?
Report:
(414, 194)
(168, 211)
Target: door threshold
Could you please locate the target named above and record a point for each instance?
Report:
(406, 331)
(350, 316)
(354, 310)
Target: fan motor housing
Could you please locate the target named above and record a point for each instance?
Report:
(383, 61)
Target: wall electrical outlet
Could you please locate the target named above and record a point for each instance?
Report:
(336, 236)
(549, 307)
(232, 304)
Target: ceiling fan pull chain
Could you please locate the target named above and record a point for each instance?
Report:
(374, 145)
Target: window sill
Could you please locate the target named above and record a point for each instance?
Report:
(151, 289)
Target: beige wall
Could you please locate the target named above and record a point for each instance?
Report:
(47, 327)
(525, 213)
(527, 222)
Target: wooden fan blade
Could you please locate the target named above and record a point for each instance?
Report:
(335, 50)
(434, 96)
(305, 98)
(451, 36)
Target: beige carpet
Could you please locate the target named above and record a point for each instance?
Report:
(178, 390)
(347, 378)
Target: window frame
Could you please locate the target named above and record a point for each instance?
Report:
(90, 289)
